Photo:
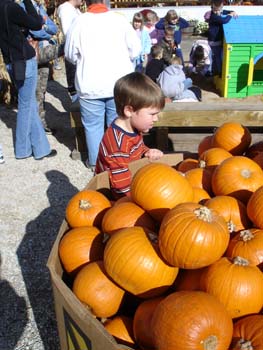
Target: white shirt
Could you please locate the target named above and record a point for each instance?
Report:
(102, 46)
(67, 13)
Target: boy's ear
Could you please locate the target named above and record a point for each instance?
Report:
(128, 110)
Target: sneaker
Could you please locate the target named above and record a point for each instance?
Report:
(57, 66)
(49, 131)
(51, 154)
(2, 159)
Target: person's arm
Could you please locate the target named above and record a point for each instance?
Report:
(65, 17)
(218, 19)
(27, 18)
(160, 24)
(72, 44)
(49, 26)
(183, 23)
(132, 41)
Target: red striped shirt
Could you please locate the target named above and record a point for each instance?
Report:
(117, 149)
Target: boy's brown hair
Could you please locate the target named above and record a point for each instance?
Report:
(138, 91)
(175, 60)
(156, 50)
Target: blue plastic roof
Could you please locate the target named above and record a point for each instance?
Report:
(244, 29)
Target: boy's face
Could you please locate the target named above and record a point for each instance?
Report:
(217, 9)
(143, 119)
(169, 38)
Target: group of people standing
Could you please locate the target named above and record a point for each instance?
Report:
(105, 92)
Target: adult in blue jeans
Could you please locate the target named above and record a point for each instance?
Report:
(31, 139)
(102, 44)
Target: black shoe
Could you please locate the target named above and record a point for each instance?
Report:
(50, 131)
(52, 153)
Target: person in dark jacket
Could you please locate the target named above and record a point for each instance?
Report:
(15, 23)
(156, 65)
(172, 20)
(217, 18)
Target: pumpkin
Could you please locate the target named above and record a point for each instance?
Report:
(248, 244)
(187, 164)
(192, 236)
(134, 263)
(248, 333)
(86, 208)
(95, 289)
(254, 149)
(120, 327)
(205, 144)
(233, 137)
(142, 322)
(158, 187)
(200, 195)
(236, 283)
(238, 177)
(212, 157)
(126, 215)
(188, 279)
(232, 210)
(201, 178)
(191, 320)
(255, 207)
(80, 246)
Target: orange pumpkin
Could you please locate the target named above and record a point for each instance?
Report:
(187, 164)
(232, 210)
(255, 207)
(201, 178)
(191, 320)
(233, 137)
(205, 144)
(120, 327)
(236, 283)
(135, 264)
(238, 177)
(248, 244)
(95, 289)
(200, 195)
(86, 208)
(142, 322)
(80, 246)
(124, 215)
(192, 236)
(212, 157)
(248, 333)
(158, 187)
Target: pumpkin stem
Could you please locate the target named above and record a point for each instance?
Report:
(243, 344)
(203, 213)
(202, 164)
(240, 261)
(84, 204)
(210, 343)
(231, 226)
(246, 235)
(246, 173)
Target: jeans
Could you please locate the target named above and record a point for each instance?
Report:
(30, 135)
(93, 112)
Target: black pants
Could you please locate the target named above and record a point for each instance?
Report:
(70, 74)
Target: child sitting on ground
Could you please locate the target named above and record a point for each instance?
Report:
(156, 64)
(200, 60)
(174, 84)
(138, 102)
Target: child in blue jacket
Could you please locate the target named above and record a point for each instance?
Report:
(217, 18)
(172, 20)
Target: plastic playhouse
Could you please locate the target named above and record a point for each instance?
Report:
(242, 71)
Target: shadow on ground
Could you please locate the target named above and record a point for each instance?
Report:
(33, 253)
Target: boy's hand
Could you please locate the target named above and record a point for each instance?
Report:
(153, 154)
(233, 14)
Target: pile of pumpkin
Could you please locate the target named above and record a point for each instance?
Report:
(177, 265)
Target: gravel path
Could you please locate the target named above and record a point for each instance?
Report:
(32, 205)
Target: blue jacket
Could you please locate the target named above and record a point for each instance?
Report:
(215, 29)
(181, 24)
(49, 28)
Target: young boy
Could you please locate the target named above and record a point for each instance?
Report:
(168, 44)
(218, 17)
(156, 65)
(138, 102)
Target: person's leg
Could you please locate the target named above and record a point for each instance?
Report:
(30, 134)
(43, 73)
(179, 53)
(93, 120)
(111, 113)
(70, 75)
(216, 60)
